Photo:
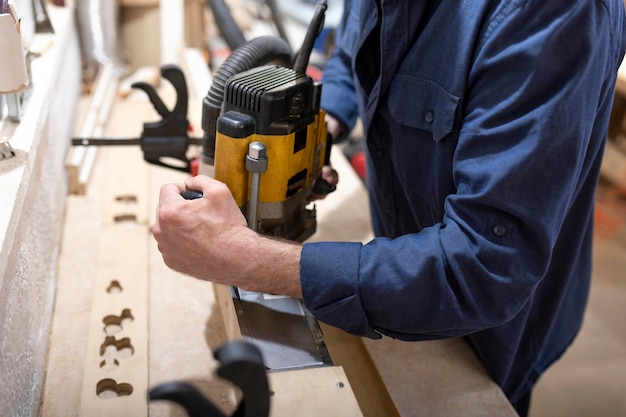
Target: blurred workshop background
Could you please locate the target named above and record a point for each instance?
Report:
(129, 40)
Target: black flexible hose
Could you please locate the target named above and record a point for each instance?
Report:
(314, 29)
(258, 51)
(277, 17)
(229, 30)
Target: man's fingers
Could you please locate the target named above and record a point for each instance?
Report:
(199, 183)
(171, 192)
(330, 175)
(209, 187)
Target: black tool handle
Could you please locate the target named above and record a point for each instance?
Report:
(167, 139)
(323, 187)
(187, 396)
(240, 363)
(191, 194)
(152, 94)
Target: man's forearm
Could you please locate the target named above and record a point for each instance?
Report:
(271, 266)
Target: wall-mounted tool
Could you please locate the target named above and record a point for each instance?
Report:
(165, 139)
(241, 364)
(14, 71)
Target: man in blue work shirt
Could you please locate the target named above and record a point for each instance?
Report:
(485, 123)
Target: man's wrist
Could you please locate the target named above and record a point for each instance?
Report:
(273, 266)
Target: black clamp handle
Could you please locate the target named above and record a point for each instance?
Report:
(167, 138)
(240, 363)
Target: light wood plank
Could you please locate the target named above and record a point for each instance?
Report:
(115, 378)
(324, 391)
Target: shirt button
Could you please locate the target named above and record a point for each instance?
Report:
(380, 153)
(499, 230)
(429, 117)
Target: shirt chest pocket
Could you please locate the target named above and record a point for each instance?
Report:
(423, 134)
(422, 104)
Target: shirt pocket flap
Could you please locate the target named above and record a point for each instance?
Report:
(422, 104)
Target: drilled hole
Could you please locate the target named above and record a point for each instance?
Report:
(125, 218)
(114, 324)
(114, 287)
(112, 346)
(108, 388)
(107, 365)
(127, 198)
(113, 350)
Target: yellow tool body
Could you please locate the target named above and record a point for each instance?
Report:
(275, 185)
(279, 108)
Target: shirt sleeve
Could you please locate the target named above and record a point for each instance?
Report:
(332, 286)
(338, 92)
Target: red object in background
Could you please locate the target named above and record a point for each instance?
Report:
(358, 164)
(194, 167)
(314, 72)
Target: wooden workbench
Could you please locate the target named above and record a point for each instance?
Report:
(184, 326)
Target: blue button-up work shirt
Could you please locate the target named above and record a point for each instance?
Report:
(485, 122)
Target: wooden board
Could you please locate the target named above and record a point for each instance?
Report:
(115, 379)
(324, 391)
(96, 108)
(349, 352)
(226, 305)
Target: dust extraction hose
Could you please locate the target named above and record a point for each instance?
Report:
(257, 52)
(225, 22)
